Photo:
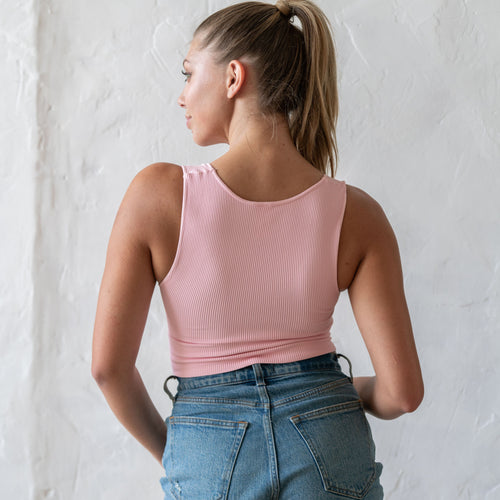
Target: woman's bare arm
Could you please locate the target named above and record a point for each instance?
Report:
(379, 305)
(124, 299)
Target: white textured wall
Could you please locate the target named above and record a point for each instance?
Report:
(89, 92)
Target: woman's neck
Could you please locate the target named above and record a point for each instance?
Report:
(262, 143)
(263, 163)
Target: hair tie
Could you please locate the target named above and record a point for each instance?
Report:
(284, 7)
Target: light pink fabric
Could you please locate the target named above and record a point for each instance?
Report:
(252, 282)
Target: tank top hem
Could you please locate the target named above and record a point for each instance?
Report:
(215, 366)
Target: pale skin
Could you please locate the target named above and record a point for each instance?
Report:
(261, 165)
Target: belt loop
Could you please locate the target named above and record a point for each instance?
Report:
(165, 388)
(259, 374)
(349, 362)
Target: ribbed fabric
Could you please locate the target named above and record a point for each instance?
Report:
(252, 282)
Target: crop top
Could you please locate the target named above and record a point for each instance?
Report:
(251, 281)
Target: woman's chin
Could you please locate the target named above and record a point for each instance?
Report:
(207, 141)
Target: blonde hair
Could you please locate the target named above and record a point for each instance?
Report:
(296, 67)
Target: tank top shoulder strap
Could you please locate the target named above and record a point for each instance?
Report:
(196, 169)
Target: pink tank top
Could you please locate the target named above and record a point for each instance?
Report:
(251, 282)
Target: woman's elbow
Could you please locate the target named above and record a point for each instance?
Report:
(100, 373)
(106, 373)
(411, 399)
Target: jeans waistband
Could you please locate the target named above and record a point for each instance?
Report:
(255, 372)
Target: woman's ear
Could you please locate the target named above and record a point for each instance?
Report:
(236, 76)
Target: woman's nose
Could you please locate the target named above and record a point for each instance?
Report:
(180, 100)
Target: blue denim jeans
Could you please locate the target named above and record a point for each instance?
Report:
(270, 431)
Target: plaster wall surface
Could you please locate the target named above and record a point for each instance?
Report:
(89, 98)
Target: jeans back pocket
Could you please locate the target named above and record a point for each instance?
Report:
(340, 442)
(199, 457)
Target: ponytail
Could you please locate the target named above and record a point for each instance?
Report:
(313, 123)
(296, 67)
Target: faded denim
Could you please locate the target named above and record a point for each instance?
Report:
(270, 431)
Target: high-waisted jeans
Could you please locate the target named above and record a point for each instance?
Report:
(270, 431)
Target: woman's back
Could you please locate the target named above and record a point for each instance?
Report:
(252, 281)
(256, 81)
(162, 206)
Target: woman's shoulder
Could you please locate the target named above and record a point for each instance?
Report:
(158, 175)
(360, 201)
(157, 185)
(363, 213)
(155, 194)
(365, 229)
(150, 213)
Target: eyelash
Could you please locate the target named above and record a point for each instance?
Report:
(187, 75)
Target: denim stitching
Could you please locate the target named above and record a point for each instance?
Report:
(235, 379)
(328, 410)
(268, 428)
(171, 456)
(209, 422)
(312, 392)
(238, 428)
(201, 400)
(237, 441)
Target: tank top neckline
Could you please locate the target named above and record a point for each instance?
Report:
(263, 203)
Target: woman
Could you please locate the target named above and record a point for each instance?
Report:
(251, 252)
